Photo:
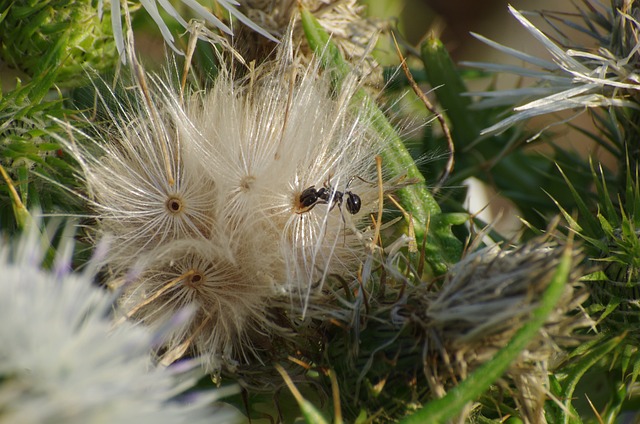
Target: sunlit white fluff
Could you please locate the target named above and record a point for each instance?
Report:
(64, 362)
(264, 143)
(138, 183)
(229, 301)
(237, 156)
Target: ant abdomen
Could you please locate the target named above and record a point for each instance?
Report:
(353, 202)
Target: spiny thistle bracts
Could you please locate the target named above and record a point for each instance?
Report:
(61, 37)
(408, 341)
(197, 10)
(486, 298)
(577, 78)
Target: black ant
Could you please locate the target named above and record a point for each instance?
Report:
(327, 194)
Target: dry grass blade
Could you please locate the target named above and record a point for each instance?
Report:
(443, 124)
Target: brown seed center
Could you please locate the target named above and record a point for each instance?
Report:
(194, 279)
(174, 205)
(246, 183)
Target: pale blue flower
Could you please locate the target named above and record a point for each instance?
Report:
(151, 6)
(63, 361)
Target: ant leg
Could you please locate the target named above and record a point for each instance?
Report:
(337, 200)
(373, 183)
(344, 225)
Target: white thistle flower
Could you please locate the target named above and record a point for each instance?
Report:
(575, 79)
(64, 362)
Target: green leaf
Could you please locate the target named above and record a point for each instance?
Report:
(449, 87)
(309, 411)
(589, 223)
(578, 369)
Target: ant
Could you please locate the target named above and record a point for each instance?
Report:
(327, 194)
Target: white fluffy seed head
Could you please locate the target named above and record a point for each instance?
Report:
(142, 190)
(265, 143)
(209, 186)
(229, 303)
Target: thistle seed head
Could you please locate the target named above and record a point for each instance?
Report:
(139, 184)
(202, 192)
